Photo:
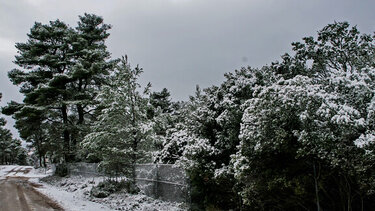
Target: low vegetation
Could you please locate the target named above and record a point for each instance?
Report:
(109, 186)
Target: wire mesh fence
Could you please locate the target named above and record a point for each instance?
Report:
(161, 181)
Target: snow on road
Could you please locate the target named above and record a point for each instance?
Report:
(18, 193)
(72, 193)
(69, 201)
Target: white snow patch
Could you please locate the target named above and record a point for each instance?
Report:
(71, 201)
(73, 193)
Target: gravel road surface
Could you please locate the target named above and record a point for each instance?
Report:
(18, 194)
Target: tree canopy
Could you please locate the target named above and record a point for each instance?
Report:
(62, 70)
(297, 134)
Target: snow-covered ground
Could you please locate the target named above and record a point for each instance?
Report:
(79, 187)
(69, 201)
(72, 193)
(22, 171)
(73, 201)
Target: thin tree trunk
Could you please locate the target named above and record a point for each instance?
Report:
(80, 122)
(79, 106)
(348, 190)
(135, 140)
(316, 188)
(66, 132)
(80, 114)
(44, 161)
(40, 160)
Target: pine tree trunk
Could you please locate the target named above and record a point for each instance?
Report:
(66, 133)
(80, 111)
(40, 160)
(80, 114)
(135, 140)
(44, 161)
(79, 106)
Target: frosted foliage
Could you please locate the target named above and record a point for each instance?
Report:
(327, 111)
(281, 96)
(211, 127)
(239, 163)
(173, 145)
(371, 112)
(364, 140)
(122, 134)
(194, 150)
(189, 148)
(223, 171)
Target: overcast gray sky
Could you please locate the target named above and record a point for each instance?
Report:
(181, 43)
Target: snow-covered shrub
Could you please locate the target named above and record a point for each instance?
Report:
(62, 170)
(107, 187)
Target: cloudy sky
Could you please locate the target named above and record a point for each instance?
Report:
(182, 43)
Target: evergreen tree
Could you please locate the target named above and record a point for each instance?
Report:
(90, 70)
(208, 137)
(162, 113)
(307, 139)
(294, 135)
(161, 100)
(11, 151)
(121, 136)
(63, 69)
(5, 144)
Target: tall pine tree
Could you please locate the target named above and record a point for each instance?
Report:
(62, 70)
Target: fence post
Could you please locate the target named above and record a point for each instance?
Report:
(189, 191)
(156, 185)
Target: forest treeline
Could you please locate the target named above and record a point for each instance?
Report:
(11, 150)
(298, 134)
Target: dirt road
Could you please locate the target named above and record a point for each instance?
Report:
(17, 193)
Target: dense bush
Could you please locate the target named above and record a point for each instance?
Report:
(62, 170)
(107, 187)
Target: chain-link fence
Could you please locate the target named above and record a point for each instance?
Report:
(84, 169)
(161, 181)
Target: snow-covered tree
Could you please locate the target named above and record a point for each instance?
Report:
(90, 70)
(163, 115)
(121, 136)
(60, 72)
(204, 142)
(11, 151)
(307, 140)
